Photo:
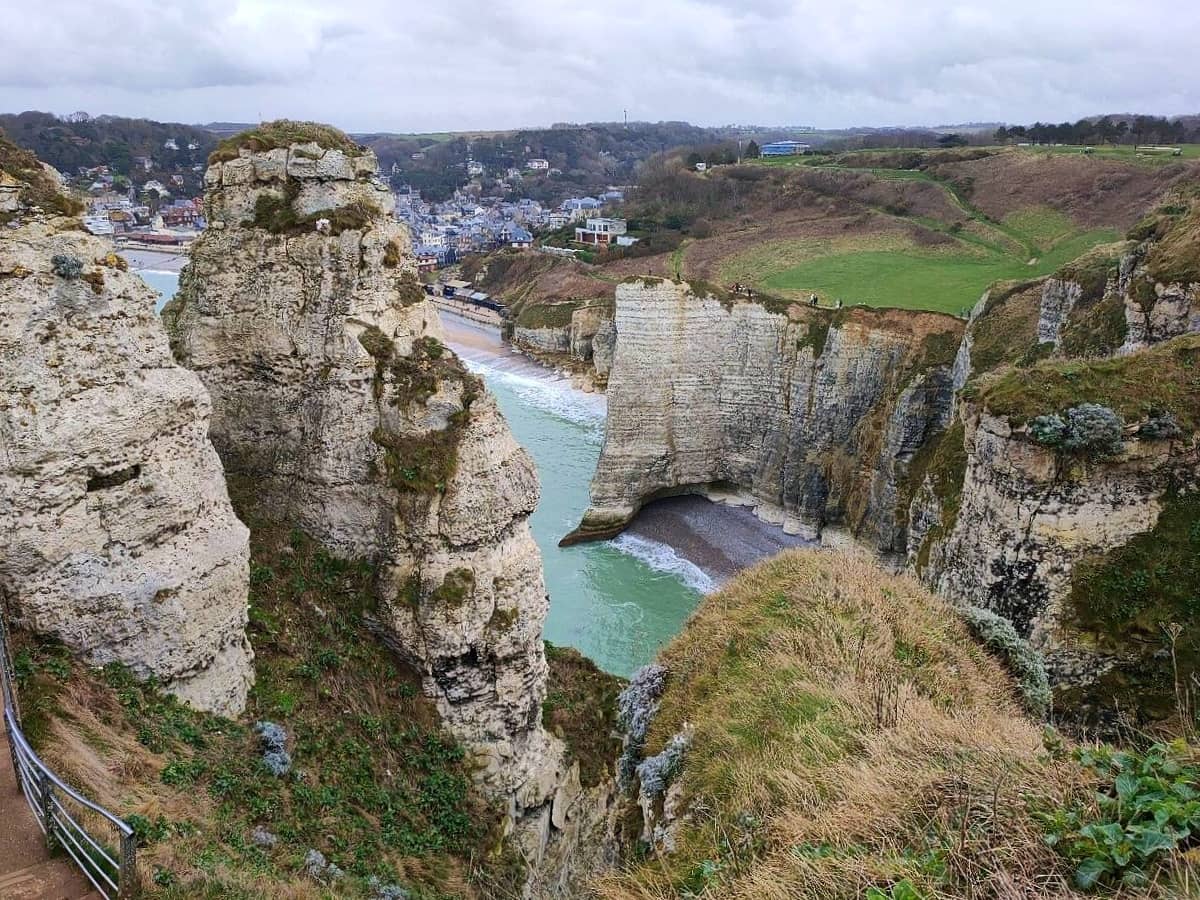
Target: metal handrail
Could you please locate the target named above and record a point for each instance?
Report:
(113, 876)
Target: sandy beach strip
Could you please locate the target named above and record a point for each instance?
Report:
(153, 260)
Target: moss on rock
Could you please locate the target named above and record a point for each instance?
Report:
(1124, 603)
(284, 133)
(581, 708)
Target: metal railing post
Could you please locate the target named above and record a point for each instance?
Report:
(128, 878)
(45, 795)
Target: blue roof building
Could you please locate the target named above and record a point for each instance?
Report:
(783, 148)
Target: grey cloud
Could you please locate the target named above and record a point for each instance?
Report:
(478, 64)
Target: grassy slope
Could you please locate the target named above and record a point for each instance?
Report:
(1063, 208)
(848, 735)
(1026, 243)
(1160, 379)
(375, 784)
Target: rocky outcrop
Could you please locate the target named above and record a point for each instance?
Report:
(337, 410)
(1160, 278)
(548, 340)
(1169, 311)
(1027, 514)
(580, 339)
(1058, 299)
(813, 415)
(116, 532)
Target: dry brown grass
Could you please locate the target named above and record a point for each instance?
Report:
(848, 733)
(1092, 191)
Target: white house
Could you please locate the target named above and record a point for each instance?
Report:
(542, 164)
(600, 232)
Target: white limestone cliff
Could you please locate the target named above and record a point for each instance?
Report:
(116, 532)
(811, 415)
(338, 410)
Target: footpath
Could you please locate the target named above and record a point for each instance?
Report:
(27, 869)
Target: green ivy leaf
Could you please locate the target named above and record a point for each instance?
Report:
(904, 890)
(1127, 785)
(1151, 840)
(1090, 872)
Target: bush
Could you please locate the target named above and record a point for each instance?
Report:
(1093, 429)
(65, 266)
(1050, 431)
(1146, 807)
(636, 707)
(655, 772)
(1088, 428)
(1161, 426)
(1026, 664)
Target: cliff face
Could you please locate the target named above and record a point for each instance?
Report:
(116, 531)
(338, 411)
(813, 414)
(1027, 515)
(1084, 550)
(579, 339)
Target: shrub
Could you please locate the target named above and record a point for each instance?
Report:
(66, 266)
(636, 707)
(1050, 430)
(1093, 429)
(1088, 428)
(1146, 807)
(273, 740)
(655, 772)
(1026, 664)
(1161, 426)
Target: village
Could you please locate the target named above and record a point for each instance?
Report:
(155, 214)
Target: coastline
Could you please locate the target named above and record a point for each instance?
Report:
(717, 538)
(153, 260)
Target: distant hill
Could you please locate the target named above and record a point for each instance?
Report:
(81, 141)
(588, 157)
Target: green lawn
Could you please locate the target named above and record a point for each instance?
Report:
(1190, 151)
(943, 281)
(1026, 244)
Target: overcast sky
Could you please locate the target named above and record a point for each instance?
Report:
(371, 65)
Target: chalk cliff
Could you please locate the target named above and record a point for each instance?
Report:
(885, 425)
(811, 415)
(338, 410)
(116, 531)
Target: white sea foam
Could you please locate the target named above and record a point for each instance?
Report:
(549, 392)
(663, 558)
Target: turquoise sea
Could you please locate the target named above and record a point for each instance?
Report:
(618, 601)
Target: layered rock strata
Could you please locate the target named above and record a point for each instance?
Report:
(1025, 515)
(116, 532)
(812, 415)
(338, 410)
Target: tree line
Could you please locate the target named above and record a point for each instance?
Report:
(1104, 130)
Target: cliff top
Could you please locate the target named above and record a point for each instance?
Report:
(1153, 382)
(22, 174)
(842, 719)
(284, 133)
(1174, 229)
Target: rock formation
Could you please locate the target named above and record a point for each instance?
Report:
(338, 411)
(1026, 515)
(116, 532)
(811, 415)
(852, 420)
(580, 339)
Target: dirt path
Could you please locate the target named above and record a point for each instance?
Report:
(27, 870)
